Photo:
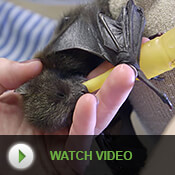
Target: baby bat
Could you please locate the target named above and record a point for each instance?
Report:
(85, 38)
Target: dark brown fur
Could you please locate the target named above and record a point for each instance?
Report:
(50, 98)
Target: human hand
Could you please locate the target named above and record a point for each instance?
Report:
(12, 75)
(93, 113)
(93, 117)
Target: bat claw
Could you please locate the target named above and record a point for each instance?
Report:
(162, 96)
(167, 101)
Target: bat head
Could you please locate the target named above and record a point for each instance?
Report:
(49, 99)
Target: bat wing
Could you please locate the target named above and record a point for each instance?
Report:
(124, 35)
(80, 32)
(117, 41)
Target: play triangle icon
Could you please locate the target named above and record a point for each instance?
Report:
(21, 155)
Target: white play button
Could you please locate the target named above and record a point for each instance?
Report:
(20, 156)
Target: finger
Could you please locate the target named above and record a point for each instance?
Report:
(103, 67)
(13, 74)
(84, 121)
(144, 40)
(84, 118)
(112, 94)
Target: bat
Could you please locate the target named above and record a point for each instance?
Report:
(84, 39)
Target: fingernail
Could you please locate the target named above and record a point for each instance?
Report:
(97, 100)
(134, 69)
(31, 60)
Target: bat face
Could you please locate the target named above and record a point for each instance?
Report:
(49, 99)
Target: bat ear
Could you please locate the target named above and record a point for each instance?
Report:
(23, 89)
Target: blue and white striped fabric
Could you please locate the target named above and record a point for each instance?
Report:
(22, 32)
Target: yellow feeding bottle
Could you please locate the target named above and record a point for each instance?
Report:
(157, 56)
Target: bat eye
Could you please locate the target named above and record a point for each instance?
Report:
(60, 95)
(66, 18)
(84, 91)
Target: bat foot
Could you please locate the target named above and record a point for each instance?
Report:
(158, 78)
(162, 96)
(156, 35)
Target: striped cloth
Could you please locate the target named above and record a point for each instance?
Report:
(58, 2)
(22, 32)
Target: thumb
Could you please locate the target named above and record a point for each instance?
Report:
(13, 74)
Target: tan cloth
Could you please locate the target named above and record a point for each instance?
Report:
(160, 14)
(153, 113)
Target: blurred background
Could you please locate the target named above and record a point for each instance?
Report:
(58, 1)
(26, 26)
(50, 8)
